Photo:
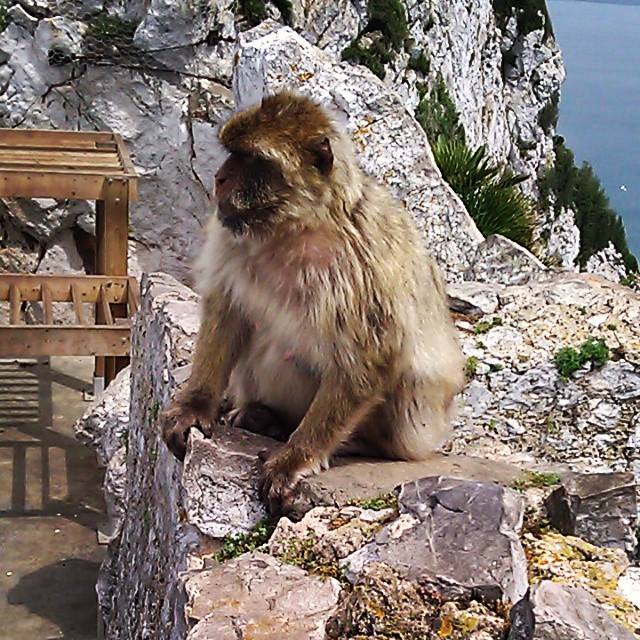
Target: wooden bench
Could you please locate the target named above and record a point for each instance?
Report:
(77, 166)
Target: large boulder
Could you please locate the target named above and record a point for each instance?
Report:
(457, 536)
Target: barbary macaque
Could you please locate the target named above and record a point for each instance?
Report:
(324, 320)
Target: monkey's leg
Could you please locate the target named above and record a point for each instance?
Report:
(334, 414)
(220, 339)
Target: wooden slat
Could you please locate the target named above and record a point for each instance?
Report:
(15, 183)
(105, 309)
(57, 154)
(33, 341)
(57, 164)
(46, 300)
(77, 303)
(78, 145)
(52, 137)
(133, 296)
(112, 229)
(14, 297)
(88, 287)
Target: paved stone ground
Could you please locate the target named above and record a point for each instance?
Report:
(50, 504)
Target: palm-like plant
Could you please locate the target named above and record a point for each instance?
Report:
(489, 192)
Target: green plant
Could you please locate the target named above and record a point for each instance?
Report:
(483, 326)
(386, 17)
(5, 18)
(255, 11)
(286, 10)
(564, 185)
(471, 367)
(490, 193)
(236, 545)
(378, 503)
(437, 114)
(539, 479)
(531, 15)
(155, 410)
(568, 360)
(420, 63)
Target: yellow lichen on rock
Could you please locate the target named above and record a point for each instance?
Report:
(571, 560)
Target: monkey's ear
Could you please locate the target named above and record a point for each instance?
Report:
(322, 155)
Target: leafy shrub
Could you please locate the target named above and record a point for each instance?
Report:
(531, 15)
(255, 11)
(537, 479)
(490, 193)
(420, 63)
(388, 17)
(568, 360)
(437, 114)
(566, 185)
(548, 116)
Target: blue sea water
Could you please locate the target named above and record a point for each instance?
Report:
(600, 107)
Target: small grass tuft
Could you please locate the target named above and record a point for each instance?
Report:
(484, 325)
(537, 479)
(235, 545)
(471, 367)
(377, 503)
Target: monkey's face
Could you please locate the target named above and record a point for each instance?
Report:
(250, 191)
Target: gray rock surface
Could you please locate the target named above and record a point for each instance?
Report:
(499, 260)
(564, 612)
(257, 596)
(600, 508)
(456, 535)
(392, 146)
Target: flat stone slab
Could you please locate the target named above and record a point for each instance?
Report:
(458, 535)
(357, 478)
(256, 596)
(598, 507)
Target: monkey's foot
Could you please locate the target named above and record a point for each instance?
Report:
(179, 419)
(280, 476)
(258, 418)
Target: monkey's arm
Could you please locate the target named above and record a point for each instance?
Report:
(220, 339)
(337, 409)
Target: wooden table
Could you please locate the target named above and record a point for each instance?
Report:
(74, 165)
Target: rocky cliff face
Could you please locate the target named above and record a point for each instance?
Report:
(159, 72)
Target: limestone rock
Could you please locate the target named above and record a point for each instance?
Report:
(257, 596)
(391, 144)
(105, 424)
(629, 586)
(383, 604)
(563, 245)
(351, 479)
(600, 508)
(220, 479)
(456, 535)
(499, 260)
(607, 263)
(564, 612)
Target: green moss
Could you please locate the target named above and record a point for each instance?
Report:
(302, 553)
(389, 19)
(378, 503)
(420, 63)
(236, 545)
(568, 360)
(531, 15)
(484, 325)
(538, 479)
(155, 410)
(471, 367)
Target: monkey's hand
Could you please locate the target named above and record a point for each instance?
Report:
(280, 475)
(178, 419)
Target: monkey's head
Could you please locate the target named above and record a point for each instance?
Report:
(280, 165)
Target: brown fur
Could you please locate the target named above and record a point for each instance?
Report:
(328, 309)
